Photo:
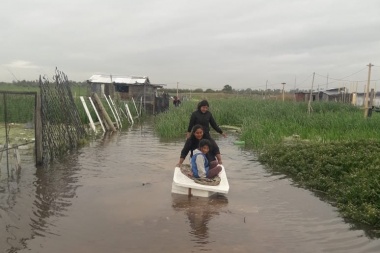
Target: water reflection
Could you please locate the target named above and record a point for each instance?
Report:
(107, 138)
(199, 212)
(55, 187)
(25, 214)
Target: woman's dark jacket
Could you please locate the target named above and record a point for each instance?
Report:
(205, 120)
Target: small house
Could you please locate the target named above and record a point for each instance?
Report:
(304, 96)
(359, 98)
(127, 87)
(336, 95)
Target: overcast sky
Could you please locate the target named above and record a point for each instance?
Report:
(199, 44)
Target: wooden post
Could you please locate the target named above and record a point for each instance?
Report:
(129, 113)
(372, 95)
(367, 91)
(97, 114)
(103, 113)
(309, 108)
(88, 114)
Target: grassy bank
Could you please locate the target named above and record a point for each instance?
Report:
(333, 150)
(347, 172)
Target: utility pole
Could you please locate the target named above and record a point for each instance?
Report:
(327, 82)
(317, 93)
(295, 87)
(283, 92)
(266, 88)
(311, 96)
(367, 91)
(177, 89)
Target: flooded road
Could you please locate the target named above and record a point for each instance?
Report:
(115, 196)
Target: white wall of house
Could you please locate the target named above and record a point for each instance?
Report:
(360, 101)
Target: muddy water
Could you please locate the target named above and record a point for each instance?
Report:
(115, 196)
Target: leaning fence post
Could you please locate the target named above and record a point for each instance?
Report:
(103, 113)
(129, 112)
(88, 114)
(97, 114)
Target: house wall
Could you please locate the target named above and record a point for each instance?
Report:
(300, 97)
(145, 91)
(353, 98)
(360, 101)
(96, 88)
(101, 89)
(109, 90)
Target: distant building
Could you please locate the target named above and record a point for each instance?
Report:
(304, 96)
(359, 98)
(335, 94)
(128, 87)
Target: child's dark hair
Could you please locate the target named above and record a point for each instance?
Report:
(204, 142)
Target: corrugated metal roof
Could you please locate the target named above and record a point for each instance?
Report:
(335, 91)
(118, 79)
(332, 92)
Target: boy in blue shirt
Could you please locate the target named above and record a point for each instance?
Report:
(200, 166)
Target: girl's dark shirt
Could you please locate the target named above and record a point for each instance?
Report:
(193, 143)
(204, 119)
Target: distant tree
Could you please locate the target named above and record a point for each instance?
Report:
(248, 91)
(209, 91)
(227, 88)
(199, 90)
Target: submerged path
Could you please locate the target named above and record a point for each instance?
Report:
(115, 196)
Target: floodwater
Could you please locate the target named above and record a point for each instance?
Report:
(115, 196)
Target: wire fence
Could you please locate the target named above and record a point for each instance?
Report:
(16, 129)
(61, 125)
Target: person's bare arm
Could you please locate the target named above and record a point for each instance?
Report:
(179, 164)
(219, 157)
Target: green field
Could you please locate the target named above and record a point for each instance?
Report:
(332, 150)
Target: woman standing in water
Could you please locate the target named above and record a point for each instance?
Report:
(203, 117)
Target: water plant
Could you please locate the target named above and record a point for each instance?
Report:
(333, 149)
(347, 172)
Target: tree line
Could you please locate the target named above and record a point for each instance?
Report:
(228, 89)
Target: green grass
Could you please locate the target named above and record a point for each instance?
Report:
(348, 172)
(173, 123)
(19, 108)
(264, 122)
(334, 149)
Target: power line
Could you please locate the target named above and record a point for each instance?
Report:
(12, 74)
(343, 78)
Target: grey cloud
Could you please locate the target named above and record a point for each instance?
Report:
(203, 44)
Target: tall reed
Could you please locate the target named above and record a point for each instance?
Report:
(264, 122)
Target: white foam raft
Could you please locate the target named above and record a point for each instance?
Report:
(184, 185)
